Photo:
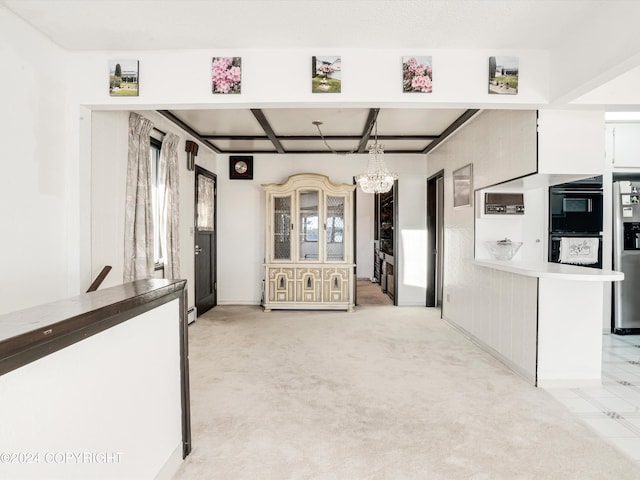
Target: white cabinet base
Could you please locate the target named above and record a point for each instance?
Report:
(309, 287)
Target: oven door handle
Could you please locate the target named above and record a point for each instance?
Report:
(580, 192)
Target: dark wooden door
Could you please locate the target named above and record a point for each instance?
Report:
(435, 239)
(205, 241)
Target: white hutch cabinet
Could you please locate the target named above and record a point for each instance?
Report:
(309, 247)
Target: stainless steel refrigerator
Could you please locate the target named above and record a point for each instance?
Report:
(626, 256)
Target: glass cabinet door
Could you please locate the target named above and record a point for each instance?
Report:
(308, 205)
(335, 228)
(282, 228)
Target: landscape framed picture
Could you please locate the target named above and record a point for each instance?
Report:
(417, 75)
(462, 186)
(123, 78)
(326, 74)
(226, 75)
(503, 75)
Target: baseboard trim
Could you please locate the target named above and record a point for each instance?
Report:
(527, 376)
(239, 302)
(569, 383)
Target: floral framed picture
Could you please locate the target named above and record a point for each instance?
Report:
(226, 74)
(326, 74)
(503, 75)
(417, 75)
(123, 78)
(462, 186)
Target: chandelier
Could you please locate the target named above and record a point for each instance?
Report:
(377, 179)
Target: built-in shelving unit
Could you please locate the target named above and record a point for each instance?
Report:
(384, 260)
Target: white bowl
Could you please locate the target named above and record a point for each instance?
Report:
(503, 249)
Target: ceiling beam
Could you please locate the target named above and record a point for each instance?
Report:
(167, 114)
(461, 120)
(266, 126)
(319, 152)
(368, 127)
(315, 137)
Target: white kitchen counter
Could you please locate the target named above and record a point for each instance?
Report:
(560, 327)
(559, 271)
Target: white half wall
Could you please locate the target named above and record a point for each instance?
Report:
(106, 407)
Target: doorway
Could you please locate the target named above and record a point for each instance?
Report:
(435, 239)
(205, 241)
(385, 244)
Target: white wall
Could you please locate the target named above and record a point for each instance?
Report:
(35, 186)
(109, 152)
(571, 141)
(241, 212)
(501, 145)
(92, 397)
(369, 77)
(50, 122)
(365, 220)
(529, 228)
(460, 79)
(410, 255)
(505, 318)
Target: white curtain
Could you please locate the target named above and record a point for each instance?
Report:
(138, 229)
(168, 205)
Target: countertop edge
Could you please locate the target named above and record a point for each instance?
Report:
(30, 334)
(551, 270)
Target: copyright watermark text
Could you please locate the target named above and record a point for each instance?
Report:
(60, 457)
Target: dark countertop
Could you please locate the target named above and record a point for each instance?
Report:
(29, 334)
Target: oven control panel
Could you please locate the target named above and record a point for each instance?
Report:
(504, 209)
(503, 203)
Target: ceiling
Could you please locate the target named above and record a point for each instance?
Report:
(342, 130)
(602, 31)
(206, 24)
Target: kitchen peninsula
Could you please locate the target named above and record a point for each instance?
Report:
(547, 318)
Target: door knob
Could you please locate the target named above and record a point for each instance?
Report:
(198, 249)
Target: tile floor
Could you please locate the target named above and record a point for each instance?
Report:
(612, 410)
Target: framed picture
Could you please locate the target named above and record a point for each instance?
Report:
(326, 74)
(417, 75)
(503, 75)
(226, 74)
(240, 167)
(123, 78)
(462, 186)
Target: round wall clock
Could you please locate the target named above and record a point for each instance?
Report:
(241, 168)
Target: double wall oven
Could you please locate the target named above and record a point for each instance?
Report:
(576, 211)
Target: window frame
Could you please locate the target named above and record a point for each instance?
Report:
(155, 145)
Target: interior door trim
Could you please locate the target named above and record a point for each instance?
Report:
(214, 254)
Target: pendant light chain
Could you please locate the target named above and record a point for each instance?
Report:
(377, 179)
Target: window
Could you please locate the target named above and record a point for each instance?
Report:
(154, 161)
(310, 228)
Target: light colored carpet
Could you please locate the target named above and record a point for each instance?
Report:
(383, 393)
